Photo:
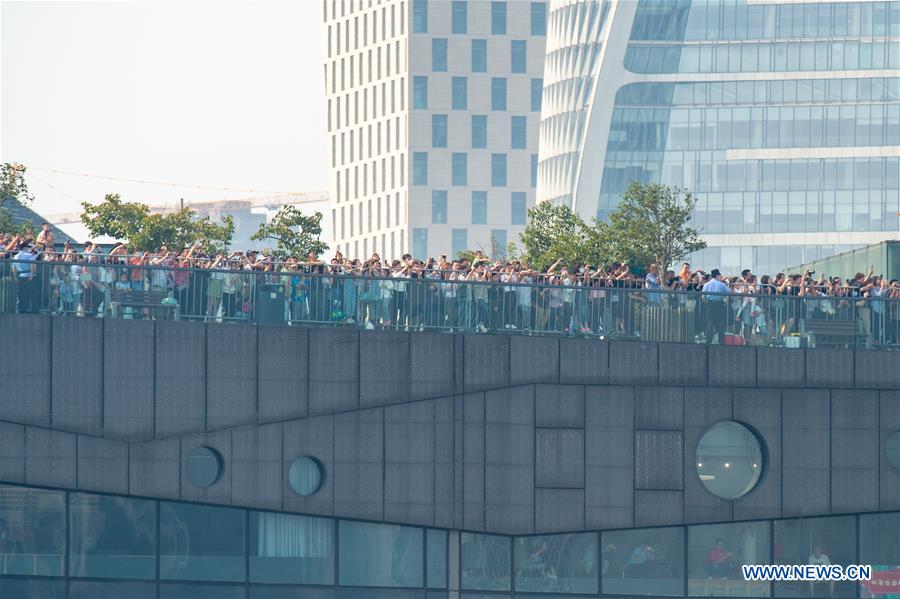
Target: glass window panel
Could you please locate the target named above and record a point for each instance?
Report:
(439, 131)
(518, 132)
(498, 170)
(460, 16)
(459, 241)
(517, 211)
(420, 243)
(557, 563)
(25, 588)
(818, 542)
(879, 546)
(420, 16)
(479, 207)
(439, 54)
(498, 240)
(420, 92)
(498, 18)
(479, 131)
(200, 591)
(112, 537)
(460, 93)
(199, 542)
(83, 589)
(378, 594)
(539, 18)
(537, 90)
(460, 168)
(438, 207)
(291, 549)
(518, 53)
(643, 562)
(479, 56)
(485, 559)
(33, 525)
(380, 555)
(257, 592)
(436, 573)
(498, 93)
(420, 168)
(716, 553)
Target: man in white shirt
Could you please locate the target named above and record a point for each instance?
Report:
(820, 559)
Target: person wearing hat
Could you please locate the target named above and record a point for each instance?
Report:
(715, 296)
(26, 269)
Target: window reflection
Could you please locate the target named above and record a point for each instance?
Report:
(818, 542)
(24, 588)
(200, 542)
(291, 549)
(32, 532)
(557, 563)
(643, 562)
(112, 537)
(380, 555)
(200, 591)
(716, 553)
(879, 546)
(82, 589)
(437, 559)
(485, 562)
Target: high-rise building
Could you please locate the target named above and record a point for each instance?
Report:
(783, 118)
(433, 115)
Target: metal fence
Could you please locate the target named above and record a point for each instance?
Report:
(435, 304)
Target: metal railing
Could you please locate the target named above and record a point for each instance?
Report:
(435, 304)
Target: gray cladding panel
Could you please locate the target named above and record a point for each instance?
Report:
(486, 362)
(333, 370)
(806, 457)
(533, 360)
(220, 491)
(558, 509)
(155, 468)
(659, 407)
(682, 364)
(609, 456)
(25, 374)
(431, 365)
(309, 437)
(633, 363)
(282, 390)
(12, 452)
(584, 362)
(180, 378)
(128, 392)
(703, 407)
(878, 369)
(256, 466)
(761, 409)
(102, 465)
(658, 458)
(473, 439)
(509, 460)
(780, 367)
(829, 368)
(445, 496)
(559, 458)
(359, 464)
(559, 405)
(77, 377)
(409, 438)
(732, 366)
(384, 372)
(889, 412)
(657, 508)
(231, 376)
(50, 458)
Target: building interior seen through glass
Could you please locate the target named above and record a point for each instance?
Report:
(57, 544)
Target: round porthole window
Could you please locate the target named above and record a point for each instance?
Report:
(307, 475)
(204, 466)
(893, 450)
(730, 459)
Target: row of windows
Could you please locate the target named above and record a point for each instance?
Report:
(459, 241)
(517, 207)
(459, 169)
(748, 57)
(518, 136)
(386, 245)
(459, 93)
(847, 125)
(365, 142)
(352, 218)
(374, 105)
(351, 71)
(333, 9)
(460, 17)
(518, 55)
(725, 20)
(81, 535)
(790, 91)
(377, 27)
(391, 175)
(761, 258)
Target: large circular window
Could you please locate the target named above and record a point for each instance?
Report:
(306, 476)
(893, 450)
(730, 459)
(204, 466)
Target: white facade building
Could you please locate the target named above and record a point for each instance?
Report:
(433, 117)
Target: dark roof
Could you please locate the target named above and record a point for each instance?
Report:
(21, 214)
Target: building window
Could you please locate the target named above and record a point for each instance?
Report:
(201, 542)
(436, 551)
(460, 16)
(816, 541)
(498, 240)
(517, 208)
(537, 90)
(498, 93)
(380, 555)
(730, 459)
(518, 132)
(518, 53)
(460, 168)
(439, 131)
(479, 131)
(307, 474)
(204, 466)
(420, 16)
(637, 573)
(555, 554)
(479, 56)
(460, 93)
(420, 243)
(534, 169)
(498, 18)
(479, 207)
(34, 530)
(290, 549)
(459, 241)
(420, 168)
(485, 562)
(740, 540)
(439, 54)
(438, 207)
(538, 18)
(498, 170)
(420, 92)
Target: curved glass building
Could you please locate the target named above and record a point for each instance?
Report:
(782, 117)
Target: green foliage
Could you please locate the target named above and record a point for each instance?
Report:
(13, 187)
(555, 231)
(294, 233)
(652, 223)
(145, 231)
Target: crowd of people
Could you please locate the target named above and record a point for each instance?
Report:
(473, 294)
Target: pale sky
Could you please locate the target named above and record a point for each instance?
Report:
(224, 94)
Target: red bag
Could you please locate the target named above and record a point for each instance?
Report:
(734, 340)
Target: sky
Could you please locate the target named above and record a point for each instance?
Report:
(220, 94)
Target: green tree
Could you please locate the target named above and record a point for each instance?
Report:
(294, 233)
(554, 231)
(12, 187)
(145, 231)
(652, 223)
